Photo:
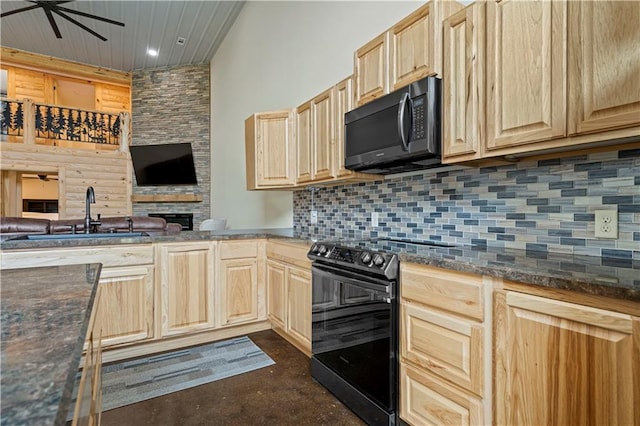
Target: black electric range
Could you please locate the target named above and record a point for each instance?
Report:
(355, 323)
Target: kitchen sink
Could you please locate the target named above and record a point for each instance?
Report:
(41, 237)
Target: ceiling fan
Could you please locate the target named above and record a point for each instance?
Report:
(51, 7)
(40, 176)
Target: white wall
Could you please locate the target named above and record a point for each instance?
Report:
(278, 55)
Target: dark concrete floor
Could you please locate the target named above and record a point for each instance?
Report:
(280, 394)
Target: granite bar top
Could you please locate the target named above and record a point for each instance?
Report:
(610, 277)
(45, 314)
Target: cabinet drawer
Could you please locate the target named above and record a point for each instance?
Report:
(238, 249)
(424, 399)
(457, 292)
(294, 253)
(107, 255)
(449, 347)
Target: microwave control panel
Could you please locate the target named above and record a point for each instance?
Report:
(418, 118)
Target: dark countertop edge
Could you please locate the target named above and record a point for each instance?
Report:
(533, 277)
(74, 364)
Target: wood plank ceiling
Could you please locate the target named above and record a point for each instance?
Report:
(148, 24)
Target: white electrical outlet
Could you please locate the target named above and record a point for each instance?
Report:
(374, 219)
(607, 224)
(314, 217)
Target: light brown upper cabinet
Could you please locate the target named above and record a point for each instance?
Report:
(526, 72)
(408, 51)
(560, 76)
(371, 69)
(270, 149)
(463, 84)
(604, 65)
(315, 123)
(561, 69)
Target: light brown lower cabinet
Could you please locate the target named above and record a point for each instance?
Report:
(186, 287)
(125, 310)
(241, 282)
(288, 276)
(428, 400)
(564, 363)
(445, 347)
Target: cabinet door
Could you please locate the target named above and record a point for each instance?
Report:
(604, 65)
(299, 306)
(526, 72)
(463, 84)
(447, 346)
(322, 137)
(563, 363)
(304, 171)
(411, 48)
(270, 149)
(426, 400)
(125, 311)
(238, 290)
(343, 104)
(370, 69)
(276, 276)
(186, 287)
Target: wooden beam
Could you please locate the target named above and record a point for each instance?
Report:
(63, 67)
(166, 198)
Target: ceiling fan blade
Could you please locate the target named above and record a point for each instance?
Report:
(52, 21)
(22, 9)
(88, 15)
(81, 25)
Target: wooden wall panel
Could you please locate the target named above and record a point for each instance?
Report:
(29, 84)
(113, 99)
(109, 172)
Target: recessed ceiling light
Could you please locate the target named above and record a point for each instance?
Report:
(152, 52)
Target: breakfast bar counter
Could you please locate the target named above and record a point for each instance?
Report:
(45, 315)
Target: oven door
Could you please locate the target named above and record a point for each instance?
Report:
(354, 330)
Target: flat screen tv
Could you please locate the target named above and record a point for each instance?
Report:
(164, 164)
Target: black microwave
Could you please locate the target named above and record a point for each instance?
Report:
(399, 132)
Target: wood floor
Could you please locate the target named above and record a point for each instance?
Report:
(280, 394)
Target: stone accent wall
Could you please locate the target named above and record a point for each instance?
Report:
(172, 105)
(544, 206)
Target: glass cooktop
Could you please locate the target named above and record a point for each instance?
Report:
(391, 245)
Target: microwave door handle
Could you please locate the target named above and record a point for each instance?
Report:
(402, 107)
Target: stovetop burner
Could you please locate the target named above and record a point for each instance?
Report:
(374, 256)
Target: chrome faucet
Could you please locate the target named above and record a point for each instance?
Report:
(89, 199)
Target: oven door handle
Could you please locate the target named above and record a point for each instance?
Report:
(352, 278)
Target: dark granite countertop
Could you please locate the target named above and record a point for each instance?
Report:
(618, 278)
(45, 314)
(184, 236)
(610, 277)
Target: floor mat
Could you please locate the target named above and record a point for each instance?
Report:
(128, 382)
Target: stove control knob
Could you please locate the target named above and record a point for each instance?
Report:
(378, 260)
(314, 248)
(322, 249)
(366, 257)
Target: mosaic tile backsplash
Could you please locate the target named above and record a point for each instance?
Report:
(531, 205)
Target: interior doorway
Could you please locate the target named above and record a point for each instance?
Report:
(32, 194)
